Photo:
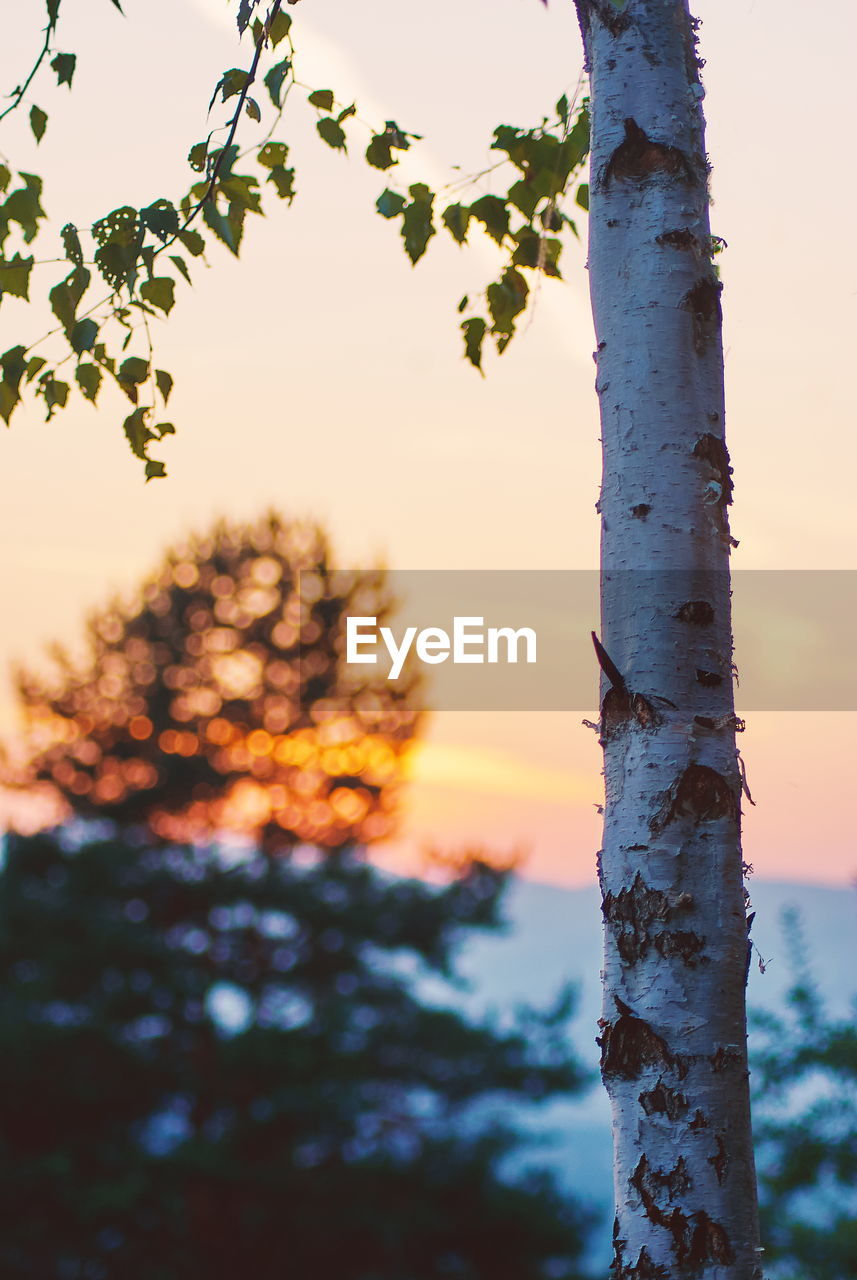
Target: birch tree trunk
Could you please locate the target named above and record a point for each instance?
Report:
(673, 1030)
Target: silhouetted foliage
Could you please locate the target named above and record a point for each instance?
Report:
(805, 1071)
(214, 1070)
(220, 699)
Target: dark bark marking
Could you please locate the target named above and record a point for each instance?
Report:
(709, 1243)
(698, 613)
(645, 1269)
(644, 713)
(633, 912)
(681, 238)
(724, 1058)
(709, 679)
(712, 449)
(698, 1122)
(697, 1239)
(615, 712)
(701, 793)
(641, 510)
(629, 1045)
(640, 158)
(703, 303)
(687, 946)
(729, 721)
(615, 20)
(719, 1161)
(648, 1182)
(662, 1100)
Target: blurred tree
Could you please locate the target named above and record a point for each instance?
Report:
(805, 1067)
(220, 699)
(214, 1070)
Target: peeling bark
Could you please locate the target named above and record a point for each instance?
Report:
(673, 1028)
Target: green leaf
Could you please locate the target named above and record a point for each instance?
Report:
(492, 212)
(38, 122)
(462, 306)
(274, 81)
(35, 364)
(253, 110)
(562, 109)
(192, 241)
(71, 244)
(55, 394)
(284, 181)
(180, 265)
(137, 433)
(417, 221)
(582, 196)
(538, 252)
(523, 196)
(379, 152)
(164, 429)
(88, 378)
(161, 218)
(64, 64)
(272, 154)
(24, 207)
(279, 28)
(119, 236)
(322, 98)
(221, 225)
(390, 204)
(15, 276)
(83, 335)
(231, 83)
(456, 219)
(155, 470)
(14, 366)
(507, 298)
(132, 372)
(332, 132)
(65, 297)
(165, 383)
(474, 331)
(578, 140)
(197, 155)
(160, 291)
(245, 13)
(5, 176)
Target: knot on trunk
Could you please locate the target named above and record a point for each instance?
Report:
(701, 793)
(639, 159)
(697, 613)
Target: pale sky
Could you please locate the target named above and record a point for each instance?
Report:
(321, 375)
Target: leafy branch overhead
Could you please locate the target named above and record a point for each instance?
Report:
(526, 221)
(126, 270)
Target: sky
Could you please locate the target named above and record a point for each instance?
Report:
(323, 376)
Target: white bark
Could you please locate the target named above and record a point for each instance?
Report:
(675, 953)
